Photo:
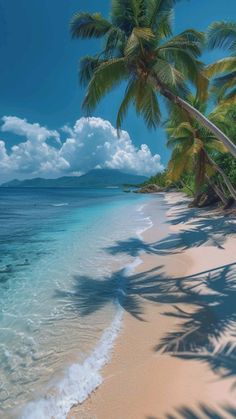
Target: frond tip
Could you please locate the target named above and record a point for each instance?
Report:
(222, 35)
(87, 67)
(86, 25)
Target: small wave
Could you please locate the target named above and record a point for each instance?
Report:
(63, 204)
(79, 382)
(147, 227)
(80, 379)
(130, 269)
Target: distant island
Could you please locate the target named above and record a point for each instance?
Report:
(94, 178)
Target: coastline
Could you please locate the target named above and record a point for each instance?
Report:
(141, 382)
(80, 378)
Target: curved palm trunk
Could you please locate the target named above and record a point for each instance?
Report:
(217, 191)
(224, 176)
(194, 113)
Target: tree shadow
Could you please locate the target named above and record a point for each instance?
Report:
(184, 215)
(202, 411)
(204, 304)
(200, 231)
(207, 331)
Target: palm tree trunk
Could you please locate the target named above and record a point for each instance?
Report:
(200, 170)
(224, 176)
(222, 186)
(217, 190)
(195, 114)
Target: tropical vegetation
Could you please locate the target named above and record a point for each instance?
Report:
(140, 49)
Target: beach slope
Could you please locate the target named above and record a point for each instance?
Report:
(175, 357)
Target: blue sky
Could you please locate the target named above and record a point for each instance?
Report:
(39, 63)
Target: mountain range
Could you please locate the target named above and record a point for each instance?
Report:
(94, 178)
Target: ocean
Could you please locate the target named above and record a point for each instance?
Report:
(59, 297)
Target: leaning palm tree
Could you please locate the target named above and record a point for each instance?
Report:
(193, 148)
(141, 50)
(223, 35)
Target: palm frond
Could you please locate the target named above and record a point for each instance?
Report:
(189, 40)
(157, 9)
(229, 98)
(129, 98)
(164, 27)
(87, 67)
(114, 42)
(147, 104)
(179, 162)
(173, 142)
(168, 74)
(221, 66)
(215, 145)
(87, 25)
(123, 15)
(228, 80)
(138, 37)
(184, 129)
(202, 84)
(108, 75)
(222, 35)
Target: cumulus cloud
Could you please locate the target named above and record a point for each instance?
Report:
(33, 132)
(90, 143)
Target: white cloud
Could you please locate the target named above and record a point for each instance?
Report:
(33, 132)
(91, 143)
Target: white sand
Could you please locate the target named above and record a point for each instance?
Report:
(141, 383)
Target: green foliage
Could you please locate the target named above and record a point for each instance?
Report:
(139, 49)
(227, 163)
(223, 35)
(191, 145)
(159, 179)
(87, 25)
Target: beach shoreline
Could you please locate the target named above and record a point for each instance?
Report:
(141, 381)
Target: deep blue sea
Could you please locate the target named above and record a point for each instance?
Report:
(58, 315)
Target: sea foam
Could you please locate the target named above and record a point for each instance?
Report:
(81, 379)
(79, 382)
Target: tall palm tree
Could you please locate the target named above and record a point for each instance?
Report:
(223, 35)
(141, 50)
(193, 147)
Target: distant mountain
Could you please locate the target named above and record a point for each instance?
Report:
(94, 178)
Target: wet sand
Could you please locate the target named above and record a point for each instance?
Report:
(171, 359)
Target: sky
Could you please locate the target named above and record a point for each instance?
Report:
(43, 132)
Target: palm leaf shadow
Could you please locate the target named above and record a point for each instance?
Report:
(203, 411)
(207, 331)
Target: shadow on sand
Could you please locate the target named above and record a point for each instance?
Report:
(203, 411)
(201, 231)
(204, 304)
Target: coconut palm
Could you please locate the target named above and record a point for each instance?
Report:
(223, 35)
(140, 49)
(193, 147)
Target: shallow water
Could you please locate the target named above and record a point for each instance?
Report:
(55, 333)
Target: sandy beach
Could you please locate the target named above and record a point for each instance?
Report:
(175, 356)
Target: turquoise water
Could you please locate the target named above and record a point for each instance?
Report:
(52, 346)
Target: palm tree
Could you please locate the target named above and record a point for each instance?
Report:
(140, 49)
(193, 147)
(223, 35)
